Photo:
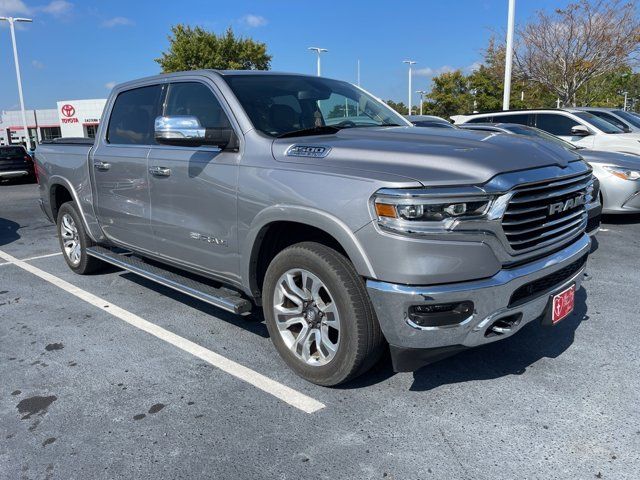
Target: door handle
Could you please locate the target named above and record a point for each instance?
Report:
(160, 171)
(103, 166)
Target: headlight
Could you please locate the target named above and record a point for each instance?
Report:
(408, 213)
(624, 173)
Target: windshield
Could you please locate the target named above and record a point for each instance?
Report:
(536, 132)
(6, 152)
(628, 117)
(283, 104)
(598, 122)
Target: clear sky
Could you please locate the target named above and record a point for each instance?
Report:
(78, 49)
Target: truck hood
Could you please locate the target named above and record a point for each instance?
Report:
(427, 155)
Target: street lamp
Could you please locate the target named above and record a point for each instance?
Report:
(318, 51)
(11, 21)
(509, 55)
(410, 63)
(422, 94)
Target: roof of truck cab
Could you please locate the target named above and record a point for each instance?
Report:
(163, 77)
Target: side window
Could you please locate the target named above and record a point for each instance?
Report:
(519, 118)
(610, 118)
(555, 124)
(197, 100)
(133, 115)
(481, 120)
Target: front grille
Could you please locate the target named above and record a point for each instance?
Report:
(546, 284)
(527, 222)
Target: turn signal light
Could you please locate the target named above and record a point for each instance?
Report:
(386, 210)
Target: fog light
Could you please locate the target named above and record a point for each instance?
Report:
(440, 314)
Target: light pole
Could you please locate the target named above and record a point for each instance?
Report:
(318, 51)
(410, 63)
(509, 55)
(421, 93)
(625, 100)
(11, 21)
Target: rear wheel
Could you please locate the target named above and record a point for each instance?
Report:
(74, 241)
(319, 315)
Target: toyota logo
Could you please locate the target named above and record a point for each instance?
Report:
(68, 110)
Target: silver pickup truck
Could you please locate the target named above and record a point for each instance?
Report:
(352, 229)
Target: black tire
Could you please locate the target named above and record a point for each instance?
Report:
(86, 264)
(361, 341)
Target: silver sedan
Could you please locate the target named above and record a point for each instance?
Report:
(618, 173)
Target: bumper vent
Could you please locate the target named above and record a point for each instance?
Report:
(544, 214)
(532, 290)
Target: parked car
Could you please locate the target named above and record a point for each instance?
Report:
(348, 235)
(15, 163)
(620, 118)
(583, 129)
(429, 121)
(618, 174)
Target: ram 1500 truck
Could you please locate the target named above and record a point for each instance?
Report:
(353, 230)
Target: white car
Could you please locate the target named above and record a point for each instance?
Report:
(620, 118)
(583, 129)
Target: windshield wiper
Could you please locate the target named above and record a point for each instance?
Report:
(310, 131)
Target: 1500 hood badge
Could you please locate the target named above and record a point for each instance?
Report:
(314, 151)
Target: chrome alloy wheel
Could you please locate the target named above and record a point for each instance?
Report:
(307, 317)
(70, 239)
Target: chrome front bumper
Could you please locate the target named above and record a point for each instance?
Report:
(490, 297)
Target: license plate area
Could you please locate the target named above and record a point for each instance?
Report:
(562, 304)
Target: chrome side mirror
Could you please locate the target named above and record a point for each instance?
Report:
(179, 129)
(185, 130)
(580, 131)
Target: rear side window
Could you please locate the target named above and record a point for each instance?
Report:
(555, 124)
(197, 100)
(480, 120)
(519, 118)
(610, 118)
(7, 152)
(133, 115)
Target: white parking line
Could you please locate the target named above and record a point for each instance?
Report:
(41, 256)
(37, 257)
(278, 390)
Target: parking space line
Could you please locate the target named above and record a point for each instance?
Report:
(38, 257)
(286, 394)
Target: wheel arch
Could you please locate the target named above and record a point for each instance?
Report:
(279, 227)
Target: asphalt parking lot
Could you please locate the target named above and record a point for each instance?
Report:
(87, 393)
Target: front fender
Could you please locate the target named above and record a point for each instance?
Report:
(307, 216)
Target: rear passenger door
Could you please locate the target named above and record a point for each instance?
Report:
(119, 168)
(193, 200)
(560, 125)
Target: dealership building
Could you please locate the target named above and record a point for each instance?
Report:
(71, 118)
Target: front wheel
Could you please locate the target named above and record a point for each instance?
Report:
(319, 315)
(74, 241)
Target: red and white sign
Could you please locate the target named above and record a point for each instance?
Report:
(563, 304)
(68, 112)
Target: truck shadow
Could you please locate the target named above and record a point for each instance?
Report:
(511, 356)
(8, 231)
(252, 323)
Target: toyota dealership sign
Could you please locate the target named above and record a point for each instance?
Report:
(79, 118)
(68, 111)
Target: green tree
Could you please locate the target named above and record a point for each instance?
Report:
(195, 48)
(400, 107)
(450, 95)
